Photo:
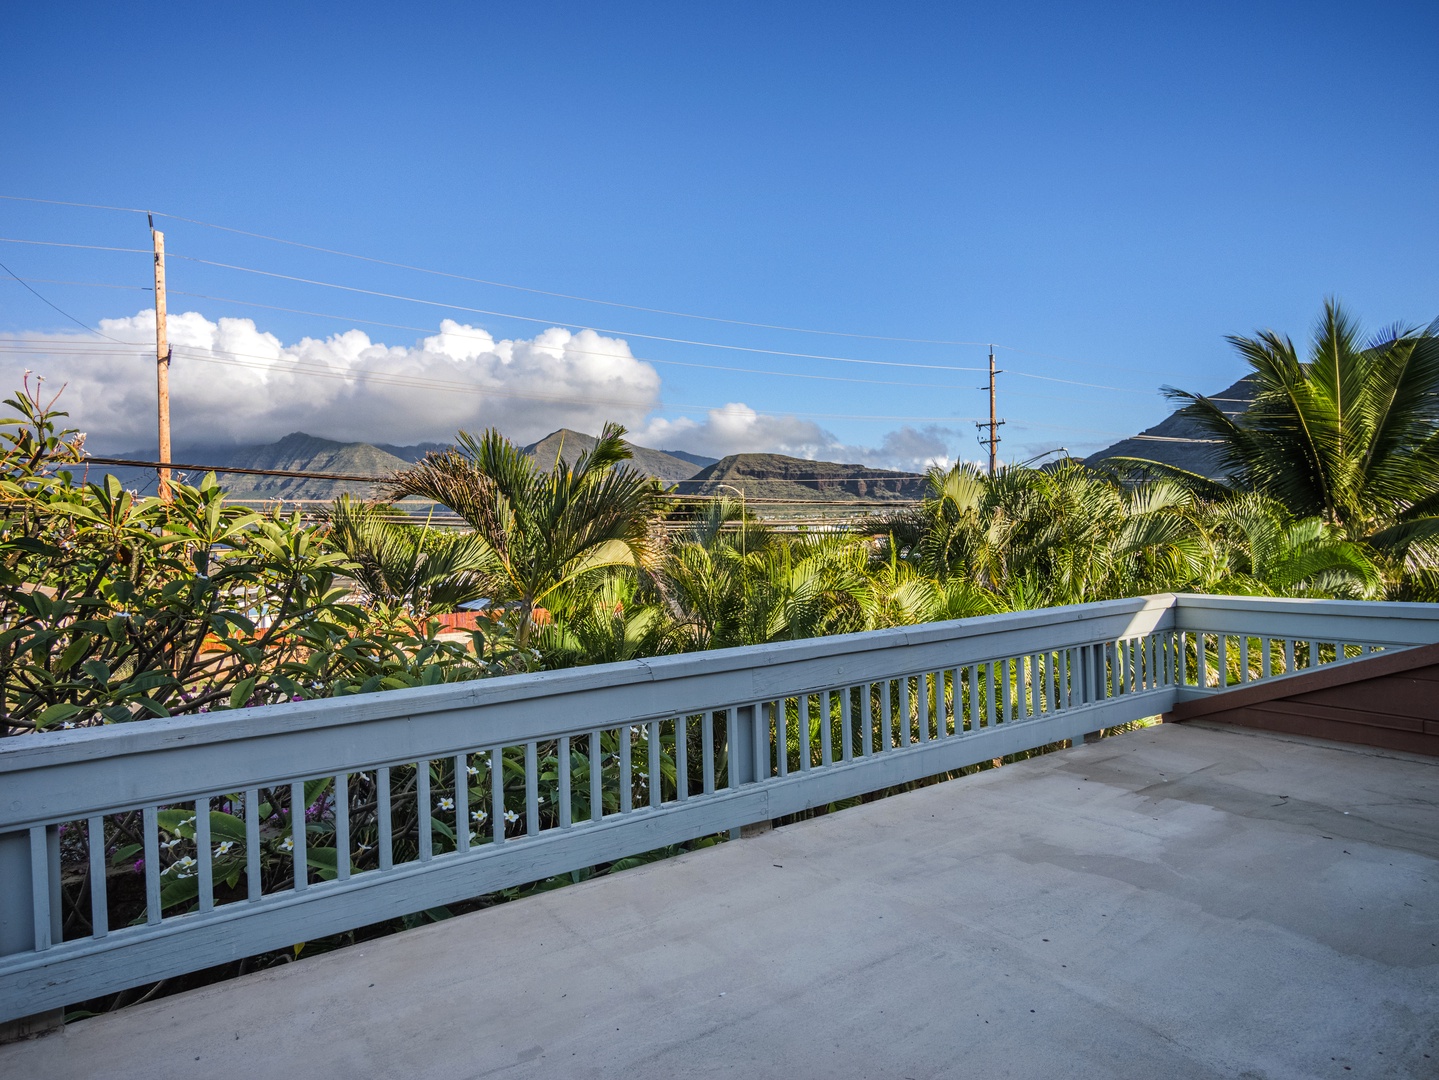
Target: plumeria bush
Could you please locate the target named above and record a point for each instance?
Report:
(115, 608)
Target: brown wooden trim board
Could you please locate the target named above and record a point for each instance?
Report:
(1390, 700)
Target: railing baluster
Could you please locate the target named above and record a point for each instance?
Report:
(760, 742)
(846, 734)
(252, 844)
(342, 826)
(974, 716)
(990, 675)
(384, 824)
(707, 750)
(781, 737)
(497, 795)
(1313, 653)
(149, 822)
(562, 757)
(1264, 657)
(424, 830)
(1035, 690)
(682, 758)
(1223, 640)
(1288, 656)
(460, 766)
(627, 792)
(597, 774)
(654, 780)
(866, 714)
(804, 739)
(99, 902)
(826, 740)
(40, 886)
(532, 789)
(297, 836)
(203, 855)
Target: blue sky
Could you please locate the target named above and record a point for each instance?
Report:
(1106, 190)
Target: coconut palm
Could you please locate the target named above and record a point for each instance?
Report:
(1349, 433)
(543, 531)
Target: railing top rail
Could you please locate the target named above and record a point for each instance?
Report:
(1363, 609)
(70, 773)
(157, 734)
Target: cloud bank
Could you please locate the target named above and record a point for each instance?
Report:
(233, 383)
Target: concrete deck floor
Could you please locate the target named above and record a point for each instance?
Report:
(1179, 902)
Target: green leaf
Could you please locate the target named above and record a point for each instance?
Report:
(56, 714)
(72, 654)
(242, 692)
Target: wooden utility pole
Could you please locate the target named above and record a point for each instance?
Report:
(162, 362)
(994, 421)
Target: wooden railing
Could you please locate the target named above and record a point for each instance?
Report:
(235, 833)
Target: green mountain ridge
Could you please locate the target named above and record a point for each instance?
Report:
(776, 476)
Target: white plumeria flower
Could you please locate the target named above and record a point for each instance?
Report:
(365, 847)
(445, 804)
(171, 843)
(224, 848)
(511, 817)
(474, 838)
(472, 770)
(184, 868)
(480, 816)
(287, 844)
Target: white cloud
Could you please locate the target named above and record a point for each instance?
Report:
(231, 382)
(738, 429)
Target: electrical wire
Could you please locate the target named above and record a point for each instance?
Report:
(299, 366)
(495, 284)
(62, 311)
(560, 322)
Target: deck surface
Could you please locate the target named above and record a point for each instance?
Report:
(1185, 901)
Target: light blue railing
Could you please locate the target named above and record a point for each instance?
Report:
(252, 830)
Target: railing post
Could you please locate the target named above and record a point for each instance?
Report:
(746, 741)
(18, 932)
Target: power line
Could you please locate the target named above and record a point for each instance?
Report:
(563, 323)
(570, 296)
(306, 474)
(302, 367)
(83, 247)
(486, 281)
(62, 311)
(351, 319)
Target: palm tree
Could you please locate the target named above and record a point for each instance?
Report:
(1349, 434)
(541, 531)
(425, 570)
(1039, 537)
(1265, 552)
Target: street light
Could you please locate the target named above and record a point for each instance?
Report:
(1031, 461)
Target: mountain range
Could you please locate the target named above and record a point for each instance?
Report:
(1177, 440)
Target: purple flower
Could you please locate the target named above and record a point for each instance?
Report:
(139, 866)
